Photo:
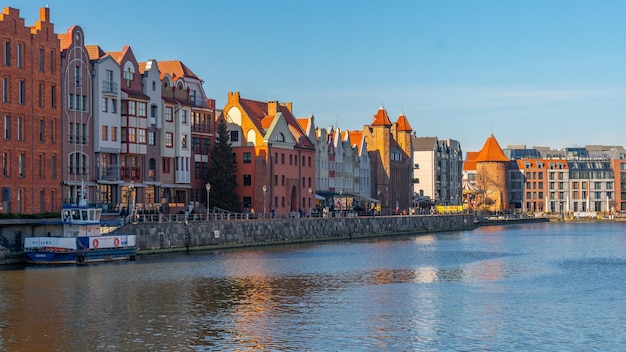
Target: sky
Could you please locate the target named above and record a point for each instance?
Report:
(535, 73)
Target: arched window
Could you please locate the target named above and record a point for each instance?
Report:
(280, 137)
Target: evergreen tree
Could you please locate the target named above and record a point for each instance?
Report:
(222, 172)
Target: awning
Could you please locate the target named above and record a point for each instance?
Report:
(175, 186)
(318, 197)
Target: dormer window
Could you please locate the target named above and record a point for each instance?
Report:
(280, 137)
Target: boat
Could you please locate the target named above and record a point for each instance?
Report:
(81, 240)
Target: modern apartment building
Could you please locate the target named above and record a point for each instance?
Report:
(437, 170)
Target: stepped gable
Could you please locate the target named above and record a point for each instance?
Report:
(491, 152)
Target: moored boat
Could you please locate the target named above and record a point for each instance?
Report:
(81, 240)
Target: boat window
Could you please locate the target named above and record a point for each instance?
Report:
(66, 215)
(75, 214)
(83, 215)
(92, 214)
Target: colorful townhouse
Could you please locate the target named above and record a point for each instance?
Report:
(275, 158)
(30, 114)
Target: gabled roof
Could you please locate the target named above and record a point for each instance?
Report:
(424, 143)
(491, 151)
(95, 52)
(257, 111)
(355, 140)
(403, 124)
(119, 55)
(176, 68)
(381, 118)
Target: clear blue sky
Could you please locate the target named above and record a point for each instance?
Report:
(546, 73)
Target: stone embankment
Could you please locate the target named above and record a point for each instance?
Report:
(198, 235)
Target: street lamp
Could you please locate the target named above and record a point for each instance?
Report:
(131, 190)
(264, 192)
(208, 192)
(310, 208)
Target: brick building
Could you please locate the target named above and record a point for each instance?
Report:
(30, 145)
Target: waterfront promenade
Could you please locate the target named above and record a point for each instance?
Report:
(190, 233)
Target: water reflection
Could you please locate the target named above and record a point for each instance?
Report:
(518, 288)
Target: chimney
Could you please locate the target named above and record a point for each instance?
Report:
(272, 108)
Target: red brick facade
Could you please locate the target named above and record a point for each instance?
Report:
(30, 145)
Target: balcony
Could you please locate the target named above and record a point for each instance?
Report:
(109, 173)
(109, 87)
(130, 173)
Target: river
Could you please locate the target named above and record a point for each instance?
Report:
(535, 287)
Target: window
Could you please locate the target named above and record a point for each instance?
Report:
(77, 76)
(53, 166)
(132, 108)
(166, 166)
(247, 180)
(132, 135)
(113, 133)
(53, 97)
(105, 133)
(7, 127)
(151, 138)
(20, 55)
(5, 90)
(282, 158)
(42, 127)
(20, 129)
(53, 130)
(41, 166)
(153, 114)
(247, 158)
(40, 94)
(168, 114)
(141, 109)
(21, 91)
(141, 136)
(105, 104)
(169, 140)
(183, 141)
(5, 164)
(234, 136)
(184, 116)
(41, 60)
(22, 164)
(114, 106)
(7, 53)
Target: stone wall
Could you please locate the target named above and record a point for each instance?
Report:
(203, 234)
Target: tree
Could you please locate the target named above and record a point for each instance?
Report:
(222, 172)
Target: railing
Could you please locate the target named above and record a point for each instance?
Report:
(109, 173)
(109, 87)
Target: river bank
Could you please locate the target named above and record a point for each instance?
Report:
(192, 235)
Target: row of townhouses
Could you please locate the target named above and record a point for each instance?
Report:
(79, 121)
(580, 181)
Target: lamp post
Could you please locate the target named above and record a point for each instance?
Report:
(131, 191)
(264, 192)
(208, 193)
(310, 208)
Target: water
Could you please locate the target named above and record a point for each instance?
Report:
(541, 287)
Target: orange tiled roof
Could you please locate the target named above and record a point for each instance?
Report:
(403, 124)
(94, 51)
(257, 111)
(355, 139)
(470, 162)
(491, 151)
(176, 68)
(381, 118)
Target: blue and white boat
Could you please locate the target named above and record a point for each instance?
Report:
(81, 240)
